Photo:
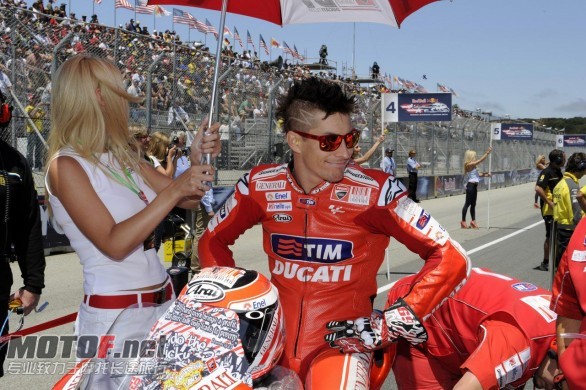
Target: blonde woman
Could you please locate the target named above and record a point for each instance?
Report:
(540, 165)
(361, 159)
(107, 199)
(471, 171)
(163, 155)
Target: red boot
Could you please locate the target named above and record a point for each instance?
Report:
(463, 225)
(473, 224)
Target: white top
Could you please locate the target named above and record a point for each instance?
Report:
(101, 274)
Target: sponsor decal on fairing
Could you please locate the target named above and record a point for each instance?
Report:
(579, 256)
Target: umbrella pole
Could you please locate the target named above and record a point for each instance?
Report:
(207, 158)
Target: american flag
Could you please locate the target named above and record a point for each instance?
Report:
(249, 39)
(442, 88)
(182, 17)
(123, 4)
(201, 26)
(287, 49)
(98, 1)
(297, 55)
(143, 8)
(237, 37)
(211, 29)
(227, 31)
(263, 44)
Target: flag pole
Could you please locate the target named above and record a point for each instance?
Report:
(489, 179)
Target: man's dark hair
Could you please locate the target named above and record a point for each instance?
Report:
(312, 94)
(556, 156)
(576, 163)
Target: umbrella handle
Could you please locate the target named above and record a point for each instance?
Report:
(207, 158)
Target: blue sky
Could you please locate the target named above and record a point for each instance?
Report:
(523, 58)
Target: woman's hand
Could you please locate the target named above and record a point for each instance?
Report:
(489, 150)
(193, 182)
(207, 140)
(381, 139)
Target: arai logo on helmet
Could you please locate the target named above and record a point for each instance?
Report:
(205, 292)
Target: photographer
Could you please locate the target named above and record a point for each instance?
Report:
(162, 153)
(182, 152)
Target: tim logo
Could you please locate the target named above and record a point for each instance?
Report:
(317, 250)
(524, 287)
(423, 220)
(307, 201)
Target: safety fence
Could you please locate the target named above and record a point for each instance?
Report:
(176, 82)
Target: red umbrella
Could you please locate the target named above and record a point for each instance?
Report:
(282, 12)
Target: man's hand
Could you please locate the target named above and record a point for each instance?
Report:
(402, 322)
(29, 300)
(364, 334)
(367, 334)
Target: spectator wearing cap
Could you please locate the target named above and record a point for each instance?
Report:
(388, 164)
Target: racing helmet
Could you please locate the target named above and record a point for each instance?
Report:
(256, 302)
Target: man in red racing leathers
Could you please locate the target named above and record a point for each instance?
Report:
(326, 225)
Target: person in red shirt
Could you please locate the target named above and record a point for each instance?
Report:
(493, 333)
(569, 302)
(326, 224)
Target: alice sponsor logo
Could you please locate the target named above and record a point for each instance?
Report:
(283, 206)
(322, 273)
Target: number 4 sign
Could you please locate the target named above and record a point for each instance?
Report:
(390, 107)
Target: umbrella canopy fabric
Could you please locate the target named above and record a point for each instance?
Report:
(283, 12)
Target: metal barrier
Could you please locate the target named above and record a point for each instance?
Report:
(176, 82)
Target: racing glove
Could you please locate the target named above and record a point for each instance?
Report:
(367, 334)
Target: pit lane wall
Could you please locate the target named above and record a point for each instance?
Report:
(428, 187)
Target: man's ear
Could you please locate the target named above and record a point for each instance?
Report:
(294, 141)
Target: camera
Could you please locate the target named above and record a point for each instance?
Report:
(174, 142)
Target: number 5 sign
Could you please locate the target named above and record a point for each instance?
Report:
(390, 107)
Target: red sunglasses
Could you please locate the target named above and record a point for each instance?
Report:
(331, 142)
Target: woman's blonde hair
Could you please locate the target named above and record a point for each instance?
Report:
(158, 146)
(538, 160)
(89, 111)
(469, 156)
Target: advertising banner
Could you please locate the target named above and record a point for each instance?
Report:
(512, 131)
(416, 107)
(573, 140)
